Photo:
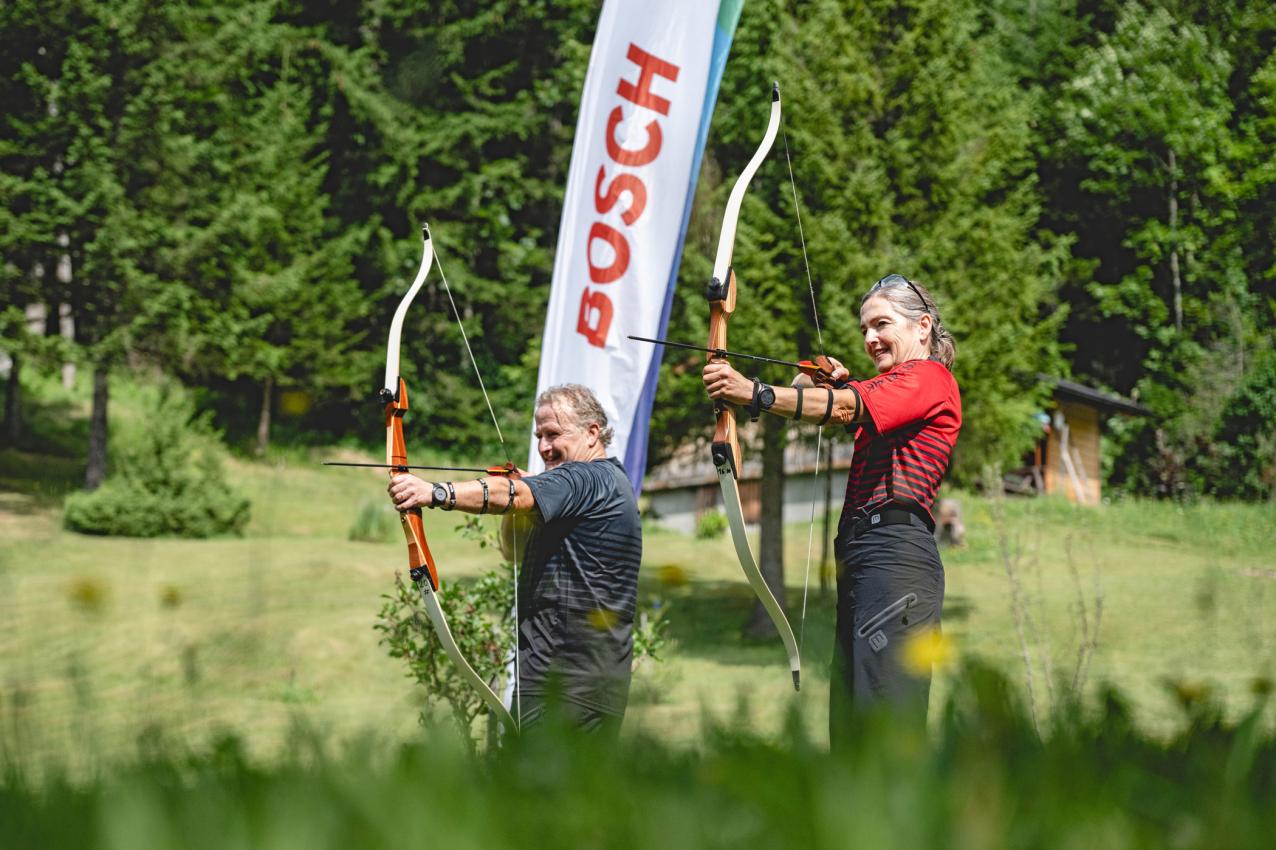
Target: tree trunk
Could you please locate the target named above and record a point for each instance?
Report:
(1175, 278)
(13, 401)
(771, 554)
(95, 469)
(52, 325)
(263, 420)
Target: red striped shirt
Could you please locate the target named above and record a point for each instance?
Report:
(902, 453)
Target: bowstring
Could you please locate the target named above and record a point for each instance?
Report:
(806, 262)
(819, 431)
(473, 362)
(456, 313)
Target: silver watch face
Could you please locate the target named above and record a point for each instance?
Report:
(439, 494)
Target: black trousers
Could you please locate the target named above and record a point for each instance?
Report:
(890, 589)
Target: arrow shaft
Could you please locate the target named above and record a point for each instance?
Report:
(718, 352)
(491, 470)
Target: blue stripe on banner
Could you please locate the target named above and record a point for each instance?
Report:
(636, 451)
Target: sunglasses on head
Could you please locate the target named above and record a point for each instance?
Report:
(894, 279)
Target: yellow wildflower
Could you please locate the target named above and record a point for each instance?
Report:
(672, 575)
(926, 650)
(88, 594)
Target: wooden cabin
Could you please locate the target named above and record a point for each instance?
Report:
(1068, 459)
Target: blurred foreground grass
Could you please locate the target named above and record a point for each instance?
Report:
(983, 779)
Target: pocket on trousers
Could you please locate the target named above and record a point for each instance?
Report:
(876, 627)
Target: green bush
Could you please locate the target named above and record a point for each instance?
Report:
(376, 522)
(168, 481)
(1243, 450)
(711, 524)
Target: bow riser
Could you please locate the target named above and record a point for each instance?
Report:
(726, 443)
(420, 561)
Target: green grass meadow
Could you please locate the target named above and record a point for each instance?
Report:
(107, 637)
(160, 689)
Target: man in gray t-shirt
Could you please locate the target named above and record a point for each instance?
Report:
(579, 589)
(577, 529)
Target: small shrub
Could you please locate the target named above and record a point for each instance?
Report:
(478, 617)
(376, 522)
(651, 632)
(711, 524)
(1244, 443)
(168, 482)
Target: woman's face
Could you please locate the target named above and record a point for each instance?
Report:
(890, 337)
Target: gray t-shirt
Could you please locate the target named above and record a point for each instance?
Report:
(584, 556)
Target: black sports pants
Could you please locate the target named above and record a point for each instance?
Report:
(890, 588)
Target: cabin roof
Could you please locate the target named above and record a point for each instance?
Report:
(1109, 402)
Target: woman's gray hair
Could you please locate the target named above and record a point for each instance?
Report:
(913, 300)
(584, 405)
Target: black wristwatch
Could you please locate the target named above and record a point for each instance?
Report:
(763, 398)
(438, 495)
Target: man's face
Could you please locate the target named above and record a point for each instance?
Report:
(560, 438)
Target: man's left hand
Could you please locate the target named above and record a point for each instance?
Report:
(408, 492)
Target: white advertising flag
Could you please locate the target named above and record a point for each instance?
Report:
(649, 92)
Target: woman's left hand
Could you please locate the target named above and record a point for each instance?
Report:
(839, 372)
(723, 382)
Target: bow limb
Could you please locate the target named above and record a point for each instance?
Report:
(731, 217)
(394, 394)
(721, 294)
(435, 613)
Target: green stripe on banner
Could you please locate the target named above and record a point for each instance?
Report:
(729, 16)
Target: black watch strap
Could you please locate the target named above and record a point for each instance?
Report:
(763, 398)
(755, 403)
(797, 411)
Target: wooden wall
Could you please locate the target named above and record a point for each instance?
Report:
(1082, 430)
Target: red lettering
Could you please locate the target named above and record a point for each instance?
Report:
(624, 156)
(619, 247)
(596, 309)
(648, 66)
(594, 304)
(622, 184)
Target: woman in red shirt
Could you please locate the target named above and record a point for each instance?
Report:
(905, 421)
